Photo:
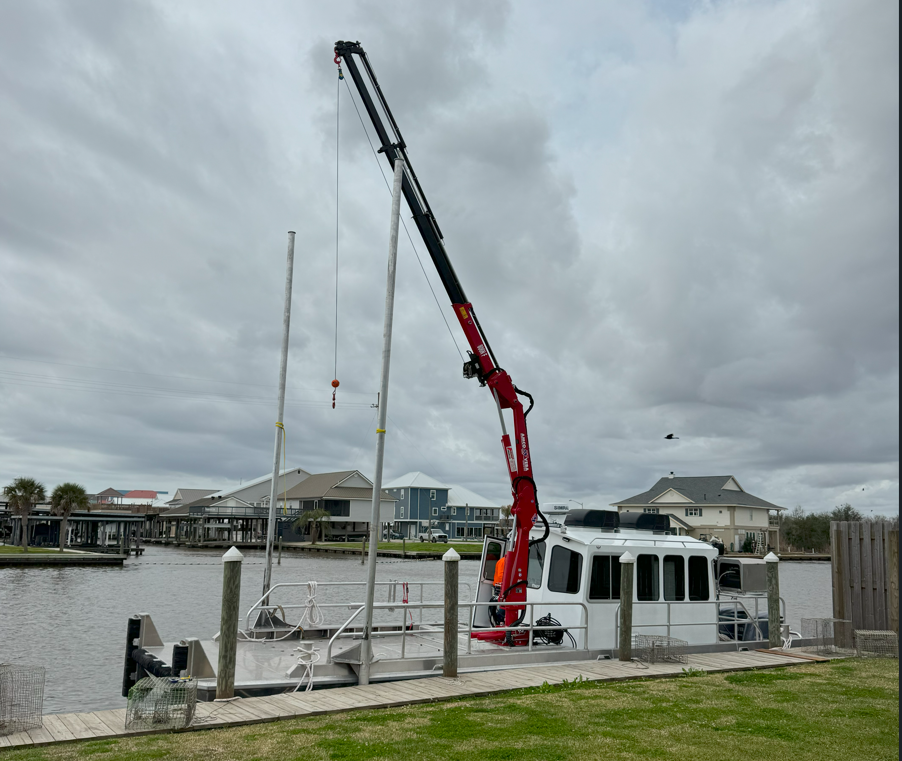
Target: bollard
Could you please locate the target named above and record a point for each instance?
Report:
(625, 641)
(228, 625)
(774, 638)
(403, 547)
(452, 574)
(363, 551)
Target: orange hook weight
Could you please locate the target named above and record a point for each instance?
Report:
(335, 385)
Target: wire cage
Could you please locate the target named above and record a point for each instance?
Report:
(21, 698)
(656, 648)
(876, 644)
(822, 632)
(161, 703)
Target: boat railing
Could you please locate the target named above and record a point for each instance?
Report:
(735, 621)
(406, 631)
(392, 589)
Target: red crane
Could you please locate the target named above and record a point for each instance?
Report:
(482, 364)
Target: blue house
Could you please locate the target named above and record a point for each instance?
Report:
(424, 503)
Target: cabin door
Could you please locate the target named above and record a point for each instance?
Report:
(493, 549)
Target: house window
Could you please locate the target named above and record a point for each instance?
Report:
(435, 511)
(653, 510)
(647, 578)
(751, 515)
(459, 531)
(432, 494)
(693, 512)
(402, 493)
(566, 568)
(402, 511)
(674, 577)
(698, 578)
(604, 582)
(453, 511)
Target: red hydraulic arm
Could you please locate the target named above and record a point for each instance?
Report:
(482, 364)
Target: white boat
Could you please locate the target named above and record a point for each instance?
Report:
(310, 634)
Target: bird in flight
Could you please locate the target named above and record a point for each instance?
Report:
(671, 436)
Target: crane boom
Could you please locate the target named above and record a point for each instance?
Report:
(482, 364)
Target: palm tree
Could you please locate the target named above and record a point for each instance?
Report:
(318, 520)
(66, 498)
(23, 494)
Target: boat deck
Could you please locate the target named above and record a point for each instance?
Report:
(110, 724)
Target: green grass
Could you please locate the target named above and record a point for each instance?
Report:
(411, 546)
(7, 549)
(816, 712)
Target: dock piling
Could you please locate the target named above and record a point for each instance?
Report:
(452, 576)
(625, 639)
(773, 601)
(228, 625)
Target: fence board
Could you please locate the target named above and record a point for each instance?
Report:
(855, 575)
(867, 578)
(880, 621)
(892, 571)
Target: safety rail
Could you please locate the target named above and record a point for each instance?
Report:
(404, 631)
(391, 596)
(735, 621)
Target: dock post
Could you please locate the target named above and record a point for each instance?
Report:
(774, 638)
(363, 551)
(625, 639)
(228, 625)
(403, 547)
(452, 576)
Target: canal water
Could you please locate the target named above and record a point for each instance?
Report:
(72, 620)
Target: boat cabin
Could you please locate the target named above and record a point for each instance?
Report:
(576, 571)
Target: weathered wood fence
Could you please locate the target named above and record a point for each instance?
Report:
(865, 577)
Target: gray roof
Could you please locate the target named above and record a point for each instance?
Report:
(702, 490)
(328, 486)
(189, 495)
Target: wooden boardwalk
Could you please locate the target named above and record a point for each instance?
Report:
(108, 724)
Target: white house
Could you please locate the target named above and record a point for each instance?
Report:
(708, 506)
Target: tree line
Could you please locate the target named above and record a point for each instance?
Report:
(24, 493)
(810, 532)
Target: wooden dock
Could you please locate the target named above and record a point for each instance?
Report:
(107, 724)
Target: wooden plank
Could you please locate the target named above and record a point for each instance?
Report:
(19, 738)
(892, 574)
(76, 727)
(95, 725)
(56, 728)
(879, 576)
(4, 741)
(281, 708)
(846, 629)
(855, 575)
(837, 556)
(112, 720)
(256, 709)
(40, 736)
(867, 578)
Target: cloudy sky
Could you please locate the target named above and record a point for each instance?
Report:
(670, 217)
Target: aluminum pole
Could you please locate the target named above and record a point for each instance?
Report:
(283, 372)
(366, 653)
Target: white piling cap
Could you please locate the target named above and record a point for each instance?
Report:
(232, 555)
(627, 558)
(451, 556)
(771, 558)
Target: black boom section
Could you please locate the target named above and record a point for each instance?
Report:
(416, 199)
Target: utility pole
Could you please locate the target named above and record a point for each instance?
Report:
(283, 373)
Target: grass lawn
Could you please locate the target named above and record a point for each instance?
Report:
(411, 546)
(8, 549)
(846, 710)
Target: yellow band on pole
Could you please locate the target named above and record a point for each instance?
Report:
(380, 430)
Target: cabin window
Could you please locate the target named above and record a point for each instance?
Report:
(492, 555)
(647, 578)
(604, 582)
(698, 578)
(674, 577)
(566, 567)
(730, 576)
(536, 564)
